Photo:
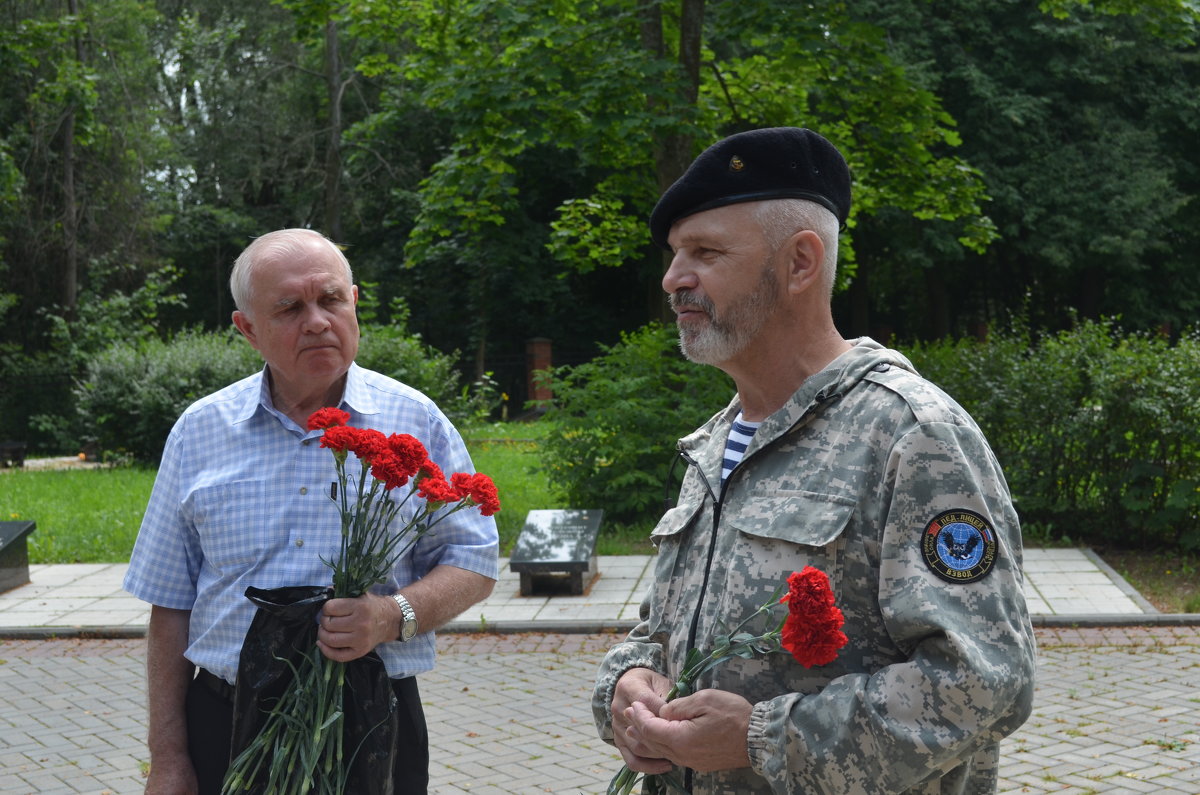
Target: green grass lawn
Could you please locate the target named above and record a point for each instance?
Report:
(93, 515)
(508, 454)
(82, 515)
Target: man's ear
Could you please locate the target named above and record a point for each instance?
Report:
(245, 325)
(806, 252)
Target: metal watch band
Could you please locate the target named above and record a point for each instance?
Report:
(408, 623)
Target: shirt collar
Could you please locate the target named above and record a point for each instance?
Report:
(356, 396)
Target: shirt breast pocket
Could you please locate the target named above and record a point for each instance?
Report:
(229, 521)
(784, 531)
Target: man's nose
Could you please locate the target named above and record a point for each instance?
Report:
(315, 319)
(679, 275)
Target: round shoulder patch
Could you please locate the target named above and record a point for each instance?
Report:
(959, 546)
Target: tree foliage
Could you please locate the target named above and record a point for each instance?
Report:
(490, 165)
(1088, 159)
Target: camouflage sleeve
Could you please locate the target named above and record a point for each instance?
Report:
(636, 651)
(964, 675)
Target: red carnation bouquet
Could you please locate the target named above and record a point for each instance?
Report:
(369, 548)
(811, 631)
(305, 743)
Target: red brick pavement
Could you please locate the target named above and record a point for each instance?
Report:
(1117, 711)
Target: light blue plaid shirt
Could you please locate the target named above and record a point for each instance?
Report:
(242, 498)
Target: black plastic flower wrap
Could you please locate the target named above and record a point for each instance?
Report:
(280, 643)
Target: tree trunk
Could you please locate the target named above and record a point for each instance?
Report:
(333, 150)
(70, 288)
(673, 151)
(859, 298)
(937, 315)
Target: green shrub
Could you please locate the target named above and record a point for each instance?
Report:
(132, 393)
(616, 420)
(1098, 430)
(28, 384)
(394, 352)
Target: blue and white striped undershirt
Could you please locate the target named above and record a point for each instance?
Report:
(740, 434)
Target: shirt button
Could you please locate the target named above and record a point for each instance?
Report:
(299, 542)
(303, 490)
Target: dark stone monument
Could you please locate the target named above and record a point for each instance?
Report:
(14, 557)
(557, 547)
(12, 454)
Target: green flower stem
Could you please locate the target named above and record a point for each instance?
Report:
(732, 644)
(302, 743)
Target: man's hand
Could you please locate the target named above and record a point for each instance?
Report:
(646, 688)
(350, 628)
(705, 731)
(171, 776)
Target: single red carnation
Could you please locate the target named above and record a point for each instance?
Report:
(409, 452)
(369, 444)
(812, 631)
(808, 591)
(432, 485)
(461, 483)
(388, 469)
(482, 491)
(327, 417)
(339, 438)
(814, 642)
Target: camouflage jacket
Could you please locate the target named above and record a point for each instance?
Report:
(876, 477)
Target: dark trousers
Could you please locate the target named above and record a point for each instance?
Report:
(210, 732)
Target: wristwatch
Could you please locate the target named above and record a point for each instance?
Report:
(408, 621)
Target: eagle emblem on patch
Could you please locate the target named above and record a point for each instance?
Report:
(959, 546)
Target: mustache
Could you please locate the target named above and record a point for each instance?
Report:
(690, 298)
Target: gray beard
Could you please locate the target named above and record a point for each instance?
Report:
(725, 336)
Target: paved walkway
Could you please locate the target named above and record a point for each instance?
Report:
(1116, 711)
(1117, 707)
(1062, 585)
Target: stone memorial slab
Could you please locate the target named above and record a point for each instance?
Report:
(14, 555)
(557, 546)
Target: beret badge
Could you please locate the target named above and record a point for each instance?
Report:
(736, 164)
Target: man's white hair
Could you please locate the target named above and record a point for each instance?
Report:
(782, 218)
(280, 244)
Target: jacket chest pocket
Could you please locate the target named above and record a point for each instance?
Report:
(784, 531)
(678, 566)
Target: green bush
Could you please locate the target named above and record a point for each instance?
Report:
(132, 393)
(394, 352)
(1098, 430)
(616, 420)
(28, 384)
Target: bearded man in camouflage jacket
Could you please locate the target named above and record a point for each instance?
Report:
(833, 454)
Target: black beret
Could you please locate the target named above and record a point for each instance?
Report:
(772, 163)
